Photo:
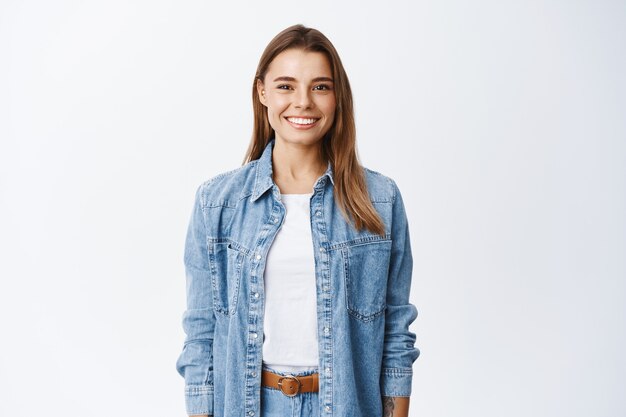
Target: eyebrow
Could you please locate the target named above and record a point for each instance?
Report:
(316, 79)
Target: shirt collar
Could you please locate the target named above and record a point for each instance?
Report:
(264, 181)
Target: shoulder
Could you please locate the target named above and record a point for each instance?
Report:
(381, 188)
(226, 188)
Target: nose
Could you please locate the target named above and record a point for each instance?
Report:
(303, 99)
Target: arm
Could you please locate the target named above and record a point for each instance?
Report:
(195, 363)
(399, 351)
(395, 406)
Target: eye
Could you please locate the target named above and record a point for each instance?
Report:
(283, 87)
(322, 87)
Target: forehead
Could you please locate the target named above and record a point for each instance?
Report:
(299, 64)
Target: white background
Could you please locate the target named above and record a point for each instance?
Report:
(503, 123)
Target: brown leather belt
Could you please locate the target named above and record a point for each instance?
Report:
(290, 385)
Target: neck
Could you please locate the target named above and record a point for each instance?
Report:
(296, 167)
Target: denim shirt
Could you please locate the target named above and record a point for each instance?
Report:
(363, 280)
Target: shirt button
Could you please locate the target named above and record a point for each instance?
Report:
(258, 256)
(318, 213)
(255, 295)
(326, 330)
(250, 413)
(254, 335)
(253, 374)
(326, 288)
(327, 408)
(322, 249)
(327, 371)
(275, 220)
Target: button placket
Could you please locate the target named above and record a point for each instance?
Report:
(264, 241)
(324, 302)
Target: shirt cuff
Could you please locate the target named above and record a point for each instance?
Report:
(396, 382)
(199, 399)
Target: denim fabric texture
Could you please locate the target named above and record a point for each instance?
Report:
(366, 350)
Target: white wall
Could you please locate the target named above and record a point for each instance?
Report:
(503, 123)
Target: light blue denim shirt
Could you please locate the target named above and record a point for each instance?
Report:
(366, 350)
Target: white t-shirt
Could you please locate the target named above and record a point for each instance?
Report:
(290, 329)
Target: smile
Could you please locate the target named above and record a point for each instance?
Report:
(301, 121)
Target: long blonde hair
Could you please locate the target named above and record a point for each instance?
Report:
(339, 144)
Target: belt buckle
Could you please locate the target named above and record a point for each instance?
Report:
(295, 378)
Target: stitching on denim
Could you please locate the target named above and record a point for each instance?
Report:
(257, 175)
(228, 309)
(394, 188)
(354, 312)
(233, 244)
(220, 204)
(218, 239)
(205, 184)
(239, 247)
(366, 318)
(397, 372)
(244, 196)
(397, 394)
(361, 241)
(193, 390)
(328, 316)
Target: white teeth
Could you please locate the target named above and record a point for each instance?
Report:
(300, 121)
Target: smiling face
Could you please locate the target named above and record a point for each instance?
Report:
(299, 96)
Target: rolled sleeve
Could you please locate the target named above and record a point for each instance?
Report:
(199, 399)
(195, 363)
(399, 351)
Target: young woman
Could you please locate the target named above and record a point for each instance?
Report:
(299, 263)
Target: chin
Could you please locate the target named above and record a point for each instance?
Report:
(301, 139)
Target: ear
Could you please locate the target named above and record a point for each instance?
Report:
(260, 89)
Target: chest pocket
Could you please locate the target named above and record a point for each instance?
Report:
(366, 268)
(226, 269)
